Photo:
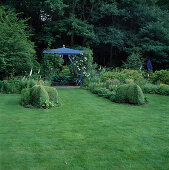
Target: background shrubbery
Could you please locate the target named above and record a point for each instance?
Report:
(16, 85)
(161, 76)
(127, 86)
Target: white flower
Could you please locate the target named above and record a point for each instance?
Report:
(30, 73)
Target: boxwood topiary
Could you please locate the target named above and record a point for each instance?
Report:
(130, 93)
(135, 94)
(38, 96)
(121, 94)
(52, 93)
(25, 97)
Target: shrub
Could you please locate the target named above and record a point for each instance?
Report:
(48, 104)
(6, 87)
(52, 93)
(25, 97)
(16, 85)
(38, 96)
(112, 82)
(160, 76)
(104, 92)
(113, 88)
(93, 85)
(29, 83)
(142, 82)
(113, 75)
(130, 93)
(134, 61)
(135, 94)
(132, 74)
(121, 93)
(63, 80)
(164, 89)
(150, 88)
(1, 83)
(129, 81)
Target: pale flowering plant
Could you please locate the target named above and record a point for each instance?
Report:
(81, 65)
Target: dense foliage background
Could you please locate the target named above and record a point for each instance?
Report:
(113, 29)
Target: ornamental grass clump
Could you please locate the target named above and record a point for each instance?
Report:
(130, 93)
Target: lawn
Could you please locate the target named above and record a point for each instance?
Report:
(87, 132)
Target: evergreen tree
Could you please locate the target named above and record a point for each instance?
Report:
(16, 50)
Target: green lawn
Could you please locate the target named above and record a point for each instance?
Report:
(87, 132)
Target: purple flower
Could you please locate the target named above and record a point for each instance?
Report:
(149, 65)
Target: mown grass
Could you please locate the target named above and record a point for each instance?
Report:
(87, 132)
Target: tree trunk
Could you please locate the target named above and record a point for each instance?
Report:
(72, 38)
(111, 54)
(84, 41)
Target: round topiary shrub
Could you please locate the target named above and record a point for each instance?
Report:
(130, 93)
(121, 94)
(25, 97)
(52, 93)
(135, 94)
(38, 96)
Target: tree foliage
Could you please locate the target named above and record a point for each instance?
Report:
(113, 29)
(16, 50)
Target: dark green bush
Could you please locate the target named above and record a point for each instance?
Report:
(6, 87)
(11, 86)
(38, 96)
(63, 80)
(25, 97)
(134, 61)
(161, 76)
(52, 93)
(1, 83)
(130, 93)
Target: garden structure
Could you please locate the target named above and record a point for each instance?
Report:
(68, 53)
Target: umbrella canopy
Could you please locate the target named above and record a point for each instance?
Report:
(64, 51)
